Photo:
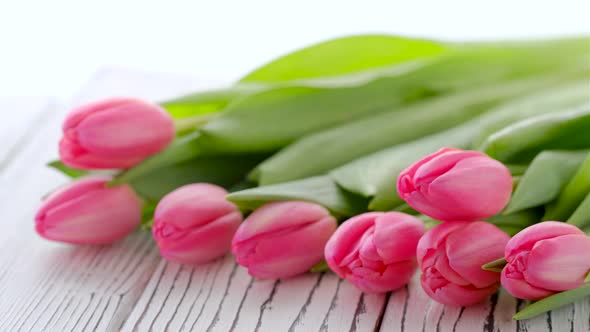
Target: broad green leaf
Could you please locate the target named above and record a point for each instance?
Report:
(66, 170)
(295, 111)
(323, 151)
(376, 175)
(572, 195)
(344, 56)
(224, 171)
(524, 139)
(206, 102)
(553, 302)
(515, 222)
(548, 173)
(321, 190)
(581, 216)
(569, 95)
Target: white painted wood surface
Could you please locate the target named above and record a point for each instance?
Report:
(51, 287)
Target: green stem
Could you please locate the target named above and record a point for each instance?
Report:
(495, 266)
(320, 267)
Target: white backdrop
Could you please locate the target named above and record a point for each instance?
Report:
(50, 47)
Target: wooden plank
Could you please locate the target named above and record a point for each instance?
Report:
(410, 309)
(228, 299)
(49, 286)
(22, 116)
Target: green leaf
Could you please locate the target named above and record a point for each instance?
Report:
(548, 173)
(302, 108)
(581, 216)
(376, 175)
(321, 190)
(323, 151)
(524, 139)
(565, 97)
(206, 102)
(343, 56)
(553, 302)
(224, 171)
(66, 170)
(573, 194)
(515, 222)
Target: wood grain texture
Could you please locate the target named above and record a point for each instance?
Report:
(127, 286)
(410, 309)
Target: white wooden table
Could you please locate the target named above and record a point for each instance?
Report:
(46, 286)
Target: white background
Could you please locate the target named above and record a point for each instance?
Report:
(50, 47)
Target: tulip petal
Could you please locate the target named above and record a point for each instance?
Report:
(396, 236)
(463, 193)
(435, 238)
(395, 276)
(72, 191)
(441, 164)
(560, 263)
(525, 239)
(97, 217)
(455, 295)
(193, 205)
(285, 254)
(277, 216)
(202, 244)
(467, 254)
(521, 289)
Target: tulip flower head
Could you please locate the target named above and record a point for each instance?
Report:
(283, 239)
(195, 224)
(375, 251)
(450, 257)
(89, 212)
(453, 184)
(546, 258)
(114, 133)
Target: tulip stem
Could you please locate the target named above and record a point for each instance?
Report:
(320, 267)
(183, 125)
(495, 266)
(587, 279)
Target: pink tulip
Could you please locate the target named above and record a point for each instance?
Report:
(453, 184)
(375, 251)
(283, 239)
(545, 258)
(450, 257)
(88, 212)
(195, 223)
(114, 133)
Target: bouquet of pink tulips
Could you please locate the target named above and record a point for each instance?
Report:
(371, 156)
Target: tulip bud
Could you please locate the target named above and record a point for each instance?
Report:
(114, 133)
(451, 255)
(283, 239)
(453, 184)
(545, 258)
(375, 251)
(89, 212)
(195, 223)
